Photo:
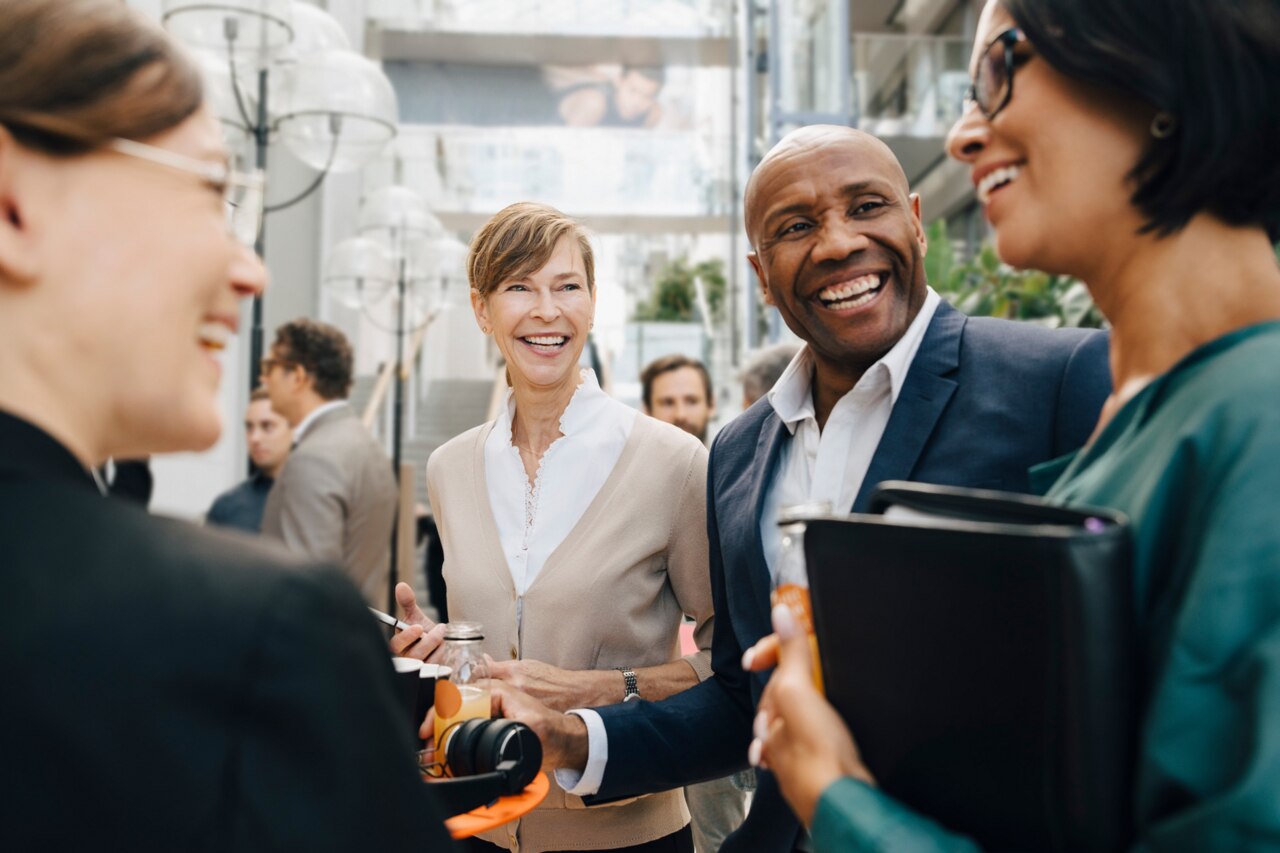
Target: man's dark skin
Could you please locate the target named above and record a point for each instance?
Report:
(825, 208)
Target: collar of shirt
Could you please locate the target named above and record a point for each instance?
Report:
(578, 415)
(301, 429)
(792, 395)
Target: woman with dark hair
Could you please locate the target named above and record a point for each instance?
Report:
(1132, 145)
(125, 249)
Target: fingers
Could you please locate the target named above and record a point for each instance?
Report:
(409, 606)
(401, 641)
(763, 655)
(415, 642)
(501, 670)
(793, 643)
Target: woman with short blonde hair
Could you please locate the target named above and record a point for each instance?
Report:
(574, 527)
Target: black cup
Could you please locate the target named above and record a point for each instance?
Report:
(407, 686)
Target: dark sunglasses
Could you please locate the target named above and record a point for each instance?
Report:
(992, 85)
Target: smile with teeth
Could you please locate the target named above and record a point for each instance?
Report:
(993, 181)
(851, 294)
(546, 343)
(214, 336)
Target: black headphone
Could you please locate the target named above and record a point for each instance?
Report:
(486, 759)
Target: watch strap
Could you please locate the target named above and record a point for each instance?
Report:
(632, 685)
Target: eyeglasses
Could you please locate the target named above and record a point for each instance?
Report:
(992, 85)
(242, 193)
(271, 362)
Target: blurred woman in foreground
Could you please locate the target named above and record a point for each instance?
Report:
(166, 687)
(1133, 145)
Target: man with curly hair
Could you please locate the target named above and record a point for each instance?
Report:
(335, 498)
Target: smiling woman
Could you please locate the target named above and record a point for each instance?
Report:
(121, 273)
(573, 527)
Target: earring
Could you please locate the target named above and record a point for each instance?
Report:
(484, 330)
(1163, 125)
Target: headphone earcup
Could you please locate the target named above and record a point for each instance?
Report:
(489, 744)
(521, 747)
(460, 748)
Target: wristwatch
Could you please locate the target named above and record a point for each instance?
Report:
(633, 687)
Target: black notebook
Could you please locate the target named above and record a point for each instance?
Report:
(979, 645)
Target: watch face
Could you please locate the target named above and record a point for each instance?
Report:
(631, 696)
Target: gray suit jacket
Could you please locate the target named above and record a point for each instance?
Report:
(335, 500)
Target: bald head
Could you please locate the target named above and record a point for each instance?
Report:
(786, 163)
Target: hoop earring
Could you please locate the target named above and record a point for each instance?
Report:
(1163, 125)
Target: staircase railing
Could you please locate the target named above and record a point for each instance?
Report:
(388, 371)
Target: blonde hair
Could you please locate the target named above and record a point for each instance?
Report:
(519, 240)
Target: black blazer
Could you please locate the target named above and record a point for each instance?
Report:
(982, 402)
(172, 688)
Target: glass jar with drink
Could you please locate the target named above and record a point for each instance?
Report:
(462, 690)
(791, 583)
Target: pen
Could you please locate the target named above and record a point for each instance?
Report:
(388, 619)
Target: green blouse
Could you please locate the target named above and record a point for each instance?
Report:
(1194, 461)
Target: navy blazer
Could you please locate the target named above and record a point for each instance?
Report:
(983, 401)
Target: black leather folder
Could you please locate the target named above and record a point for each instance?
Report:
(979, 645)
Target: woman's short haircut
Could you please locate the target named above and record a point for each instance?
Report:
(1213, 65)
(519, 240)
(76, 73)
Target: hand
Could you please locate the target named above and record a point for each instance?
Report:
(559, 689)
(563, 736)
(424, 639)
(798, 735)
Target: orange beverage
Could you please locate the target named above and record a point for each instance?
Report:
(796, 597)
(457, 704)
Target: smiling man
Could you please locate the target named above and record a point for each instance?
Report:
(892, 383)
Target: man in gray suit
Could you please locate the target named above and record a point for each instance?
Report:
(335, 498)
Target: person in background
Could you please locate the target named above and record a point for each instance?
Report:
(335, 497)
(1095, 111)
(626, 98)
(574, 527)
(268, 436)
(677, 390)
(166, 686)
(763, 370)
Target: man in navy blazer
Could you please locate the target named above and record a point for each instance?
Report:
(839, 250)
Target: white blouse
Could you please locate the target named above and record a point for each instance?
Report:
(534, 518)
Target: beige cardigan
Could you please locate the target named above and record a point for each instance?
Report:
(611, 594)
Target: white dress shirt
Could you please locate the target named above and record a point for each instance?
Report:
(534, 518)
(814, 465)
(305, 424)
(830, 464)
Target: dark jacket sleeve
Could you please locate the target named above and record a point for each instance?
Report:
(327, 761)
(1086, 382)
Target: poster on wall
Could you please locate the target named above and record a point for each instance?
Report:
(603, 95)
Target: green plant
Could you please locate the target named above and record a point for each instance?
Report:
(674, 296)
(984, 286)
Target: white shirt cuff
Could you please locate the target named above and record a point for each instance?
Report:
(587, 782)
